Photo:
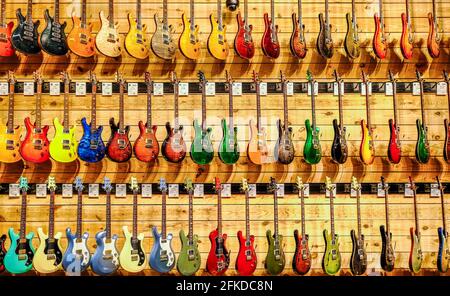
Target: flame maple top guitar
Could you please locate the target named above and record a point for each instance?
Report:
(394, 148)
(189, 259)
(107, 39)
(80, 39)
(48, 257)
(339, 149)
(19, 258)
(25, 36)
(297, 43)
(35, 146)
(10, 134)
(270, 44)
(243, 42)
(189, 42)
(135, 42)
(275, 258)
(434, 36)
(379, 41)
(358, 260)
(351, 40)
(324, 42)
(415, 254)
(312, 150)
(443, 256)
(162, 43)
(367, 147)
(302, 256)
(217, 42)
(422, 144)
(387, 258)
(407, 37)
(162, 256)
(6, 49)
(53, 39)
(63, 147)
(228, 147)
(446, 121)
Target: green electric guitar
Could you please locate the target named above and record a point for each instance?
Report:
(331, 262)
(312, 151)
(202, 151)
(422, 145)
(275, 259)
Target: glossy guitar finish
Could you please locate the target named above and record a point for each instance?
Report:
(146, 146)
(35, 146)
(269, 42)
(80, 39)
(324, 44)
(105, 260)
(243, 42)
(297, 43)
(379, 42)
(351, 41)
(188, 42)
(11, 144)
(162, 44)
(302, 256)
(107, 39)
(406, 40)
(339, 150)
(433, 37)
(41, 261)
(53, 39)
(2, 252)
(135, 41)
(201, 149)
(174, 147)
(217, 264)
(284, 147)
(387, 259)
(257, 150)
(443, 257)
(415, 255)
(331, 262)
(394, 150)
(63, 147)
(77, 249)
(162, 257)
(367, 149)
(275, 259)
(91, 147)
(422, 146)
(119, 147)
(11, 261)
(6, 48)
(246, 259)
(132, 257)
(358, 260)
(229, 148)
(217, 42)
(189, 259)
(312, 151)
(25, 36)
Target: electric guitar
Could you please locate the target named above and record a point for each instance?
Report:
(202, 151)
(434, 38)
(188, 42)
(257, 150)
(146, 147)
(2, 252)
(331, 261)
(415, 254)
(387, 258)
(297, 43)
(358, 260)
(107, 40)
(63, 147)
(105, 260)
(302, 256)
(10, 134)
(217, 41)
(174, 147)
(407, 38)
(91, 147)
(367, 147)
(162, 256)
(379, 42)
(132, 258)
(324, 42)
(275, 258)
(312, 150)
(53, 39)
(77, 252)
(246, 260)
(339, 149)
(422, 144)
(269, 43)
(162, 43)
(25, 36)
(394, 148)
(229, 148)
(243, 42)
(351, 40)
(446, 121)
(6, 48)
(19, 258)
(284, 147)
(119, 147)
(189, 259)
(35, 146)
(443, 257)
(80, 39)
(48, 257)
(135, 41)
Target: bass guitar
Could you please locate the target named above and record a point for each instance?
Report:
(48, 257)
(422, 144)
(243, 42)
(407, 38)
(302, 256)
(105, 260)
(331, 261)
(394, 148)
(434, 38)
(188, 42)
(135, 41)
(275, 258)
(387, 258)
(297, 43)
(162, 44)
(229, 148)
(312, 150)
(358, 260)
(6, 49)
(53, 39)
(446, 121)
(324, 42)
(284, 147)
(162, 256)
(189, 259)
(415, 254)
(19, 258)
(80, 39)
(367, 148)
(269, 42)
(351, 40)
(339, 150)
(443, 257)
(25, 36)
(217, 42)
(379, 42)
(107, 40)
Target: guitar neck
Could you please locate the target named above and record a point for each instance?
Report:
(275, 213)
(66, 107)
(149, 106)
(313, 105)
(302, 207)
(380, 8)
(38, 106)
(369, 122)
(56, 17)
(191, 218)
(422, 103)
(108, 215)
(386, 207)
(416, 216)
(165, 13)
(192, 11)
(175, 90)
(246, 12)
(23, 215)
(258, 108)
(79, 214)
(448, 96)
(300, 14)
(111, 14)
(354, 14)
(204, 107)
(3, 14)
(327, 20)
(30, 10)
(219, 212)
(163, 216)
(121, 107)
(358, 210)
(394, 98)
(135, 215)
(407, 12)
(51, 216)
(10, 125)
(444, 221)
(83, 14)
(94, 109)
(434, 13)
(341, 108)
(230, 107)
(272, 12)
(332, 212)
(285, 106)
(247, 216)
(138, 15)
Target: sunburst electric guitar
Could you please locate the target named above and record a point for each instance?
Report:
(6, 49)
(217, 42)
(297, 44)
(135, 42)
(107, 40)
(434, 36)
(301, 262)
(188, 42)
(80, 39)
(407, 37)
(394, 147)
(270, 44)
(367, 148)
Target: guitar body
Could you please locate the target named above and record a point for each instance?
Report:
(10, 145)
(6, 48)
(63, 147)
(244, 47)
(415, 254)
(432, 42)
(405, 41)
(331, 262)
(228, 148)
(2, 252)
(379, 44)
(12, 262)
(339, 149)
(358, 260)
(162, 257)
(188, 42)
(201, 149)
(284, 147)
(297, 42)
(162, 43)
(105, 260)
(274, 263)
(189, 259)
(25, 36)
(302, 256)
(217, 42)
(107, 40)
(422, 147)
(394, 150)
(135, 41)
(174, 148)
(146, 147)
(91, 147)
(323, 44)
(387, 259)
(246, 260)
(35, 146)
(270, 47)
(443, 257)
(53, 39)
(312, 151)
(80, 40)
(119, 147)
(351, 45)
(77, 251)
(217, 264)
(367, 149)
(257, 151)
(132, 257)
(447, 141)
(42, 261)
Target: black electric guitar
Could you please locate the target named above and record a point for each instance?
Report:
(25, 36)
(339, 150)
(53, 38)
(387, 258)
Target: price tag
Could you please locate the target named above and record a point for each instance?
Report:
(55, 88)
(380, 190)
(93, 190)
(408, 191)
(416, 88)
(28, 88)
(14, 190)
(280, 190)
(306, 190)
(146, 190)
(199, 190)
(106, 88)
(41, 190)
(335, 88)
(121, 190)
(251, 190)
(327, 192)
(316, 88)
(174, 190)
(158, 89)
(4, 88)
(183, 88)
(132, 88)
(353, 192)
(237, 88)
(210, 89)
(67, 190)
(435, 192)
(290, 88)
(263, 88)
(388, 89)
(226, 190)
(80, 88)
(441, 88)
(363, 88)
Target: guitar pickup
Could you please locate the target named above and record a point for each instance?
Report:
(122, 144)
(107, 257)
(79, 252)
(51, 257)
(191, 255)
(134, 258)
(148, 143)
(66, 144)
(9, 145)
(22, 257)
(248, 255)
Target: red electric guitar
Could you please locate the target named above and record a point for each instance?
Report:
(446, 122)
(297, 44)
(394, 148)
(302, 256)
(219, 256)
(6, 48)
(146, 147)
(246, 260)
(379, 42)
(243, 43)
(407, 38)
(269, 42)
(35, 146)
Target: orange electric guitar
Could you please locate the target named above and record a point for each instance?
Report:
(407, 39)
(379, 42)
(367, 148)
(80, 39)
(434, 37)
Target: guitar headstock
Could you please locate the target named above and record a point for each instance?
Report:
(391, 77)
(364, 77)
(309, 76)
(355, 185)
(65, 77)
(148, 81)
(328, 185)
(120, 79)
(384, 184)
(202, 79)
(282, 77)
(188, 186)
(134, 186)
(441, 187)
(446, 78)
(37, 77)
(244, 185)
(336, 76)
(107, 185)
(51, 184)
(163, 185)
(419, 76)
(11, 78)
(93, 80)
(79, 184)
(23, 184)
(412, 184)
(217, 184)
(299, 184)
(173, 78)
(229, 79)
(272, 185)
(256, 79)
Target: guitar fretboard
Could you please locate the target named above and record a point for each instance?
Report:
(444, 221)
(56, 11)
(332, 212)
(204, 106)
(219, 14)
(422, 103)
(416, 216)
(369, 125)
(448, 95)
(258, 107)
(272, 18)
(94, 108)
(354, 15)
(246, 13)
(285, 105)
(66, 107)
(83, 14)
(135, 214)
(313, 104)
(358, 211)
(175, 105)
(108, 215)
(51, 215)
(138, 15)
(327, 20)
(29, 10)
(275, 212)
(386, 207)
(38, 106)
(300, 15)
(302, 208)
(247, 217)
(121, 107)
(149, 105)
(165, 13)
(23, 215)
(10, 125)
(340, 102)
(163, 215)
(192, 16)
(407, 12)
(380, 8)
(394, 99)
(191, 217)
(434, 12)
(230, 108)
(219, 212)
(111, 14)
(3, 14)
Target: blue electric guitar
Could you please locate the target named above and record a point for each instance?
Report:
(162, 257)
(19, 258)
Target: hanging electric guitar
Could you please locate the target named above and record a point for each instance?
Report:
(443, 256)
(415, 254)
(3, 238)
(243, 42)
(284, 147)
(302, 256)
(188, 42)
(53, 39)
(162, 43)
(351, 40)
(6, 48)
(19, 258)
(379, 42)
(367, 148)
(34, 147)
(407, 38)
(422, 144)
(80, 39)
(217, 41)
(446, 121)
(331, 261)
(107, 40)
(312, 152)
(48, 257)
(297, 43)
(135, 41)
(162, 256)
(387, 258)
(275, 258)
(189, 259)
(339, 149)
(25, 36)
(269, 43)
(358, 260)
(394, 148)
(63, 147)
(434, 38)
(229, 148)
(324, 42)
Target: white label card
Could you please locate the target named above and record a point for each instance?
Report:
(121, 190)
(226, 190)
(380, 190)
(146, 190)
(93, 190)
(353, 192)
(416, 88)
(158, 89)
(252, 190)
(199, 190)
(408, 191)
(237, 88)
(388, 89)
(106, 88)
(174, 190)
(210, 89)
(55, 88)
(441, 88)
(28, 88)
(132, 88)
(67, 190)
(263, 88)
(280, 190)
(327, 192)
(316, 88)
(183, 88)
(80, 88)
(4, 88)
(290, 88)
(435, 192)
(41, 190)
(335, 88)
(14, 190)
(363, 88)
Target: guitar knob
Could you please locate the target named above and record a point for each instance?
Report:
(232, 4)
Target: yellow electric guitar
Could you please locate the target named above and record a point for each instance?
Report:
(135, 41)
(132, 258)
(107, 40)
(63, 147)
(163, 45)
(367, 149)
(10, 136)
(189, 43)
(217, 42)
